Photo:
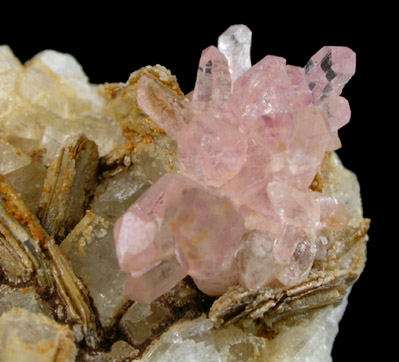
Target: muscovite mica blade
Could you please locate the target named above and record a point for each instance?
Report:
(138, 223)
(69, 182)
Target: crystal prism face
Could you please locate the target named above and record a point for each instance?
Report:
(251, 140)
(155, 282)
(207, 230)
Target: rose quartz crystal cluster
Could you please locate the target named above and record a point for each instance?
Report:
(251, 140)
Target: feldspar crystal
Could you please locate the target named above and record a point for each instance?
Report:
(27, 336)
(114, 196)
(28, 181)
(250, 142)
(26, 298)
(141, 321)
(90, 243)
(10, 158)
(43, 103)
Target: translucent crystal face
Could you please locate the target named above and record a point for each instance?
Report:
(250, 143)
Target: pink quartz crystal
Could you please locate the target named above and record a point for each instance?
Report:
(333, 214)
(250, 142)
(211, 150)
(142, 241)
(207, 230)
(155, 282)
(329, 70)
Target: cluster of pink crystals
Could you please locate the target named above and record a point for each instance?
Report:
(250, 143)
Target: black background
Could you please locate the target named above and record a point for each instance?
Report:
(115, 43)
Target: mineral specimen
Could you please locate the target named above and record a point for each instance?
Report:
(240, 208)
(138, 223)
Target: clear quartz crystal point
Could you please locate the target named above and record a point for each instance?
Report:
(213, 83)
(298, 266)
(235, 44)
(255, 260)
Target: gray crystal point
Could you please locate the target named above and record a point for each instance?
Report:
(235, 44)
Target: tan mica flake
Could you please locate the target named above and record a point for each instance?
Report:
(44, 265)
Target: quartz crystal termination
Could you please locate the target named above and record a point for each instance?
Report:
(240, 209)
